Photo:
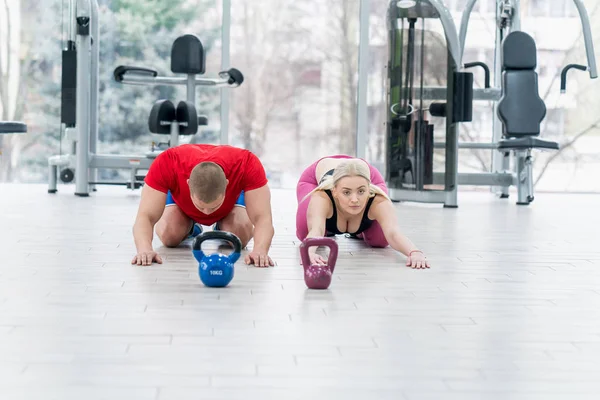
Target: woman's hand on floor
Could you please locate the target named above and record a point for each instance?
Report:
(417, 260)
(316, 259)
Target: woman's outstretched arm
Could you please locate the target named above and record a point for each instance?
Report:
(318, 208)
(383, 211)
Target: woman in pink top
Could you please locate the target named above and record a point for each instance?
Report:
(340, 194)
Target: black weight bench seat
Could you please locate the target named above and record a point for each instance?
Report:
(526, 143)
(521, 109)
(8, 127)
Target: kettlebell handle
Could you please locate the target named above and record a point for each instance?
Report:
(219, 235)
(319, 241)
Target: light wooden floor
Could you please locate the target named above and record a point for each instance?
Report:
(510, 309)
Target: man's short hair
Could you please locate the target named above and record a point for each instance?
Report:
(207, 182)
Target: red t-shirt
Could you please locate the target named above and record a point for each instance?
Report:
(172, 168)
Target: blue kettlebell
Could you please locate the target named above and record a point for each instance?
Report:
(216, 270)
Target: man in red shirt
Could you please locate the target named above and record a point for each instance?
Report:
(203, 184)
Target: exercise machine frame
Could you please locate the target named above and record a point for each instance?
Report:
(508, 19)
(433, 8)
(500, 177)
(79, 110)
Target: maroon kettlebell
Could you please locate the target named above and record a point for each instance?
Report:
(318, 276)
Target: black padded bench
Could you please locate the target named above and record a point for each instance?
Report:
(521, 109)
(9, 127)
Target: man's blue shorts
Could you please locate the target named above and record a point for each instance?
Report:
(240, 201)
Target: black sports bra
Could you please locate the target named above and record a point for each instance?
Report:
(331, 223)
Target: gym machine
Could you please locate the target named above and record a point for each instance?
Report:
(409, 135)
(11, 127)
(79, 102)
(518, 109)
(187, 57)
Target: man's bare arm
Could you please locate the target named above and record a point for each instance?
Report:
(151, 208)
(258, 206)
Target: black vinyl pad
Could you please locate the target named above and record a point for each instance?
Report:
(187, 117)
(187, 55)
(161, 117)
(521, 109)
(12, 127)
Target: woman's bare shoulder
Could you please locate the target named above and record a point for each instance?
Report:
(376, 206)
(319, 194)
(320, 204)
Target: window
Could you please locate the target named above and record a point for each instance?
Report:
(553, 124)
(459, 5)
(300, 62)
(538, 8)
(557, 8)
(570, 9)
(552, 8)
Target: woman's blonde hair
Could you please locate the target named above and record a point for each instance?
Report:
(350, 167)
